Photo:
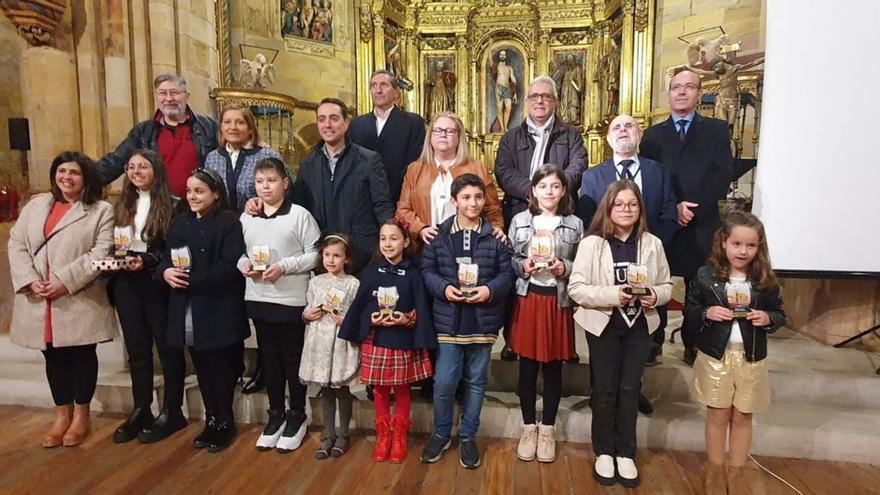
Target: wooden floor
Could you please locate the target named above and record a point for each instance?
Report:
(173, 466)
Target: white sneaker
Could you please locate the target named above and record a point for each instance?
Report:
(546, 444)
(528, 443)
(627, 474)
(291, 438)
(268, 439)
(603, 470)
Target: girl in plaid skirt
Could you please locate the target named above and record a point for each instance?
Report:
(391, 320)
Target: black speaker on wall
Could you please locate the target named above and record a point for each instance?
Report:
(19, 135)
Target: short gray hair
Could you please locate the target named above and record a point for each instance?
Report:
(544, 79)
(179, 80)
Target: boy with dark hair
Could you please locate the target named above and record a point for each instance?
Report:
(469, 273)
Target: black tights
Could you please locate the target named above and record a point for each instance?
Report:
(72, 373)
(528, 380)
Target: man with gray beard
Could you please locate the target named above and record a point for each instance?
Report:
(655, 184)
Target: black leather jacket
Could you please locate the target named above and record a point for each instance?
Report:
(145, 136)
(706, 291)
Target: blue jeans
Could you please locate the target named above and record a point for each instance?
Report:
(454, 363)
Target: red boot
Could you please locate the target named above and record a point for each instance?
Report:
(399, 439)
(383, 439)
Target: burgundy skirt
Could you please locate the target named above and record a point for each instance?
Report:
(384, 366)
(540, 330)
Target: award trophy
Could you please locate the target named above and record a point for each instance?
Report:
(541, 249)
(333, 300)
(739, 294)
(181, 258)
(260, 257)
(637, 277)
(387, 298)
(122, 238)
(467, 278)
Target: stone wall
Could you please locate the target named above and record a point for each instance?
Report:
(10, 98)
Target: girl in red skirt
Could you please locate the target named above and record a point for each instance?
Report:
(545, 239)
(391, 320)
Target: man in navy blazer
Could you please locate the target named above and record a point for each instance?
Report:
(396, 135)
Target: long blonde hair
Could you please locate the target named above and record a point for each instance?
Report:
(461, 154)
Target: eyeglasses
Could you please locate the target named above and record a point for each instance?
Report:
(541, 96)
(173, 93)
(139, 167)
(438, 131)
(634, 206)
(628, 126)
(688, 87)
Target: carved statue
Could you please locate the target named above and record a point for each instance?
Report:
(394, 65)
(256, 73)
(608, 75)
(505, 90)
(715, 54)
(568, 79)
(441, 91)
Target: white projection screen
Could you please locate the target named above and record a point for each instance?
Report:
(818, 174)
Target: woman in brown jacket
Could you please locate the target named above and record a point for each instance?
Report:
(425, 200)
(60, 306)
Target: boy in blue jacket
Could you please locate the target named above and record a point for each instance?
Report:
(469, 273)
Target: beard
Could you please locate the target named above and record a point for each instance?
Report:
(623, 146)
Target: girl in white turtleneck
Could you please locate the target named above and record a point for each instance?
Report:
(145, 205)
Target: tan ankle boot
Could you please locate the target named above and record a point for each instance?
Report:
(79, 427)
(716, 480)
(63, 416)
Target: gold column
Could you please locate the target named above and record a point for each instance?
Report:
(365, 57)
(410, 58)
(643, 50)
(626, 58)
(543, 53)
(378, 41)
(462, 105)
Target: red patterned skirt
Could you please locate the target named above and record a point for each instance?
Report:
(540, 330)
(384, 366)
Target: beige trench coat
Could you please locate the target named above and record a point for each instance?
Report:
(84, 316)
(591, 284)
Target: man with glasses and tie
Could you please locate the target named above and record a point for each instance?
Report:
(541, 138)
(182, 137)
(655, 184)
(696, 151)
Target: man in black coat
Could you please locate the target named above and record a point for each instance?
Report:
(182, 137)
(344, 185)
(397, 136)
(696, 150)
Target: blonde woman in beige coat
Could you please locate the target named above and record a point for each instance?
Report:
(618, 322)
(60, 305)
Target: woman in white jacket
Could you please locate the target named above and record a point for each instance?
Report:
(604, 283)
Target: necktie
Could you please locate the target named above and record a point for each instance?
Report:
(681, 124)
(625, 173)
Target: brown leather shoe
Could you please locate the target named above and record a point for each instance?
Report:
(716, 479)
(63, 416)
(79, 427)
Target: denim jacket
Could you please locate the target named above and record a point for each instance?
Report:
(566, 238)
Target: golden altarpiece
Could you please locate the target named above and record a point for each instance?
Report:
(477, 57)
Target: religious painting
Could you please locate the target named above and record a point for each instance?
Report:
(394, 56)
(504, 83)
(440, 81)
(310, 19)
(567, 68)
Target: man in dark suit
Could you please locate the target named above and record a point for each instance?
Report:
(396, 135)
(343, 185)
(696, 150)
(655, 184)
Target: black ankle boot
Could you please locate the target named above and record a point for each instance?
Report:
(224, 433)
(507, 354)
(170, 421)
(204, 438)
(257, 381)
(139, 418)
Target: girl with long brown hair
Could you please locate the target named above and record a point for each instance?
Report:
(145, 206)
(619, 277)
(733, 303)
